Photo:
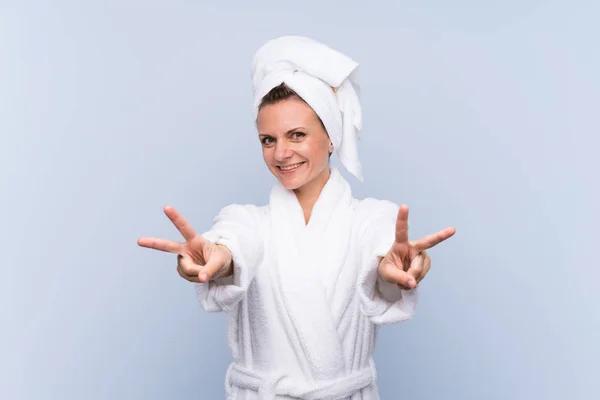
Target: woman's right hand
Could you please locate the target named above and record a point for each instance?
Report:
(198, 260)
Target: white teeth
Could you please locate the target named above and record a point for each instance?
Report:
(289, 167)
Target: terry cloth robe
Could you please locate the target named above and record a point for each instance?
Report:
(305, 300)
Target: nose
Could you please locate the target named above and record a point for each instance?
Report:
(282, 151)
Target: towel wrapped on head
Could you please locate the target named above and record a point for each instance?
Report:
(312, 70)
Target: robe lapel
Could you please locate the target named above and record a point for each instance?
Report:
(307, 260)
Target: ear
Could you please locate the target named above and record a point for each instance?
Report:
(330, 147)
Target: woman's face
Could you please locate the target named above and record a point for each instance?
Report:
(295, 145)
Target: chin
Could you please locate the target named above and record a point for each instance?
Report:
(291, 183)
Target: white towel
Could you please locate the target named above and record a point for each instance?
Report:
(312, 69)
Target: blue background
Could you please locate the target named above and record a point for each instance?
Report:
(480, 115)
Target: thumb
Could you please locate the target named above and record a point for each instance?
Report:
(217, 261)
(391, 273)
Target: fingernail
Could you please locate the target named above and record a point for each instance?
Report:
(203, 276)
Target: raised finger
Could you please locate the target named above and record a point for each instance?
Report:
(160, 244)
(402, 224)
(429, 241)
(180, 223)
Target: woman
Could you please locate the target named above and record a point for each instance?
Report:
(308, 278)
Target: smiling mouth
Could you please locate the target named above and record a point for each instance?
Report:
(290, 168)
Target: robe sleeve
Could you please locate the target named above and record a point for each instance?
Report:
(237, 228)
(383, 302)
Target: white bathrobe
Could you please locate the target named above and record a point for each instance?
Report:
(305, 300)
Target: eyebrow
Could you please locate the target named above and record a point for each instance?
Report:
(287, 133)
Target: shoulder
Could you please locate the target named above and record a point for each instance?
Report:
(242, 212)
(374, 219)
(371, 208)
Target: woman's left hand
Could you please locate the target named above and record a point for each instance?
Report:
(407, 263)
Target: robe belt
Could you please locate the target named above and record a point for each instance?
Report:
(282, 385)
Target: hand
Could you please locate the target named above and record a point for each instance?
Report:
(198, 260)
(407, 263)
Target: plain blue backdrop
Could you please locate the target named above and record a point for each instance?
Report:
(480, 115)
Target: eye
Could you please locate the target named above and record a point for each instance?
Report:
(298, 135)
(267, 140)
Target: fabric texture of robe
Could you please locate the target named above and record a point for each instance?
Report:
(305, 300)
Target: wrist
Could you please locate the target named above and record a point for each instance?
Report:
(227, 269)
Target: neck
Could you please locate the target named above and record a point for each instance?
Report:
(309, 194)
